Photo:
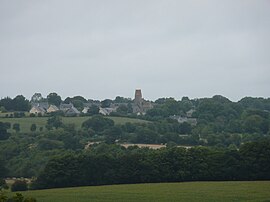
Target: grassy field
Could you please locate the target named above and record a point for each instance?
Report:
(187, 191)
(26, 122)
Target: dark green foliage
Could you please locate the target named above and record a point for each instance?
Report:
(54, 121)
(218, 119)
(112, 134)
(19, 185)
(3, 170)
(16, 127)
(106, 103)
(77, 101)
(255, 160)
(93, 110)
(19, 114)
(255, 103)
(3, 173)
(33, 127)
(54, 99)
(120, 99)
(17, 198)
(122, 109)
(47, 144)
(4, 135)
(19, 103)
(78, 98)
(114, 165)
(98, 123)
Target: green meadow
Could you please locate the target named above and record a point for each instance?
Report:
(26, 122)
(185, 191)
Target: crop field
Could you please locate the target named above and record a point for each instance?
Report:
(185, 191)
(26, 122)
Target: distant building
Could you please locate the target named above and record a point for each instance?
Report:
(190, 112)
(140, 106)
(69, 109)
(52, 108)
(106, 111)
(85, 110)
(37, 110)
(44, 105)
(72, 112)
(180, 119)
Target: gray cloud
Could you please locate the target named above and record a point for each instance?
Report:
(101, 49)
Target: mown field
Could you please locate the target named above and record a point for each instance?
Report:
(26, 122)
(186, 191)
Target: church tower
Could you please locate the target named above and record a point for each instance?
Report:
(138, 96)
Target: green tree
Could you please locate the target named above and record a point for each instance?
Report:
(20, 103)
(16, 127)
(112, 134)
(93, 110)
(19, 185)
(4, 135)
(122, 109)
(98, 123)
(54, 99)
(37, 97)
(106, 103)
(33, 127)
(3, 173)
(54, 121)
(255, 123)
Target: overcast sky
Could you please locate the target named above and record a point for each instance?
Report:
(104, 48)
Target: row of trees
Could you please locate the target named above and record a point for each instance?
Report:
(19, 103)
(162, 132)
(117, 165)
(218, 114)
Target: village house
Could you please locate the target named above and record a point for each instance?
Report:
(190, 112)
(52, 108)
(106, 111)
(37, 110)
(85, 110)
(69, 109)
(181, 119)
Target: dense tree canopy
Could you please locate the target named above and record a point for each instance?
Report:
(54, 99)
(98, 123)
(19, 103)
(133, 165)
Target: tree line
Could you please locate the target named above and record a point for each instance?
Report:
(112, 164)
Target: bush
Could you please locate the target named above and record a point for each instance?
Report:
(17, 198)
(3, 184)
(19, 185)
(33, 127)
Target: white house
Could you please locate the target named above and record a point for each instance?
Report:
(52, 108)
(37, 110)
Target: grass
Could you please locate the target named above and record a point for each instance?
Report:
(26, 122)
(187, 191)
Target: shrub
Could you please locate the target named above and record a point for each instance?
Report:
(32, 115)
(17, 198)
(19, 185)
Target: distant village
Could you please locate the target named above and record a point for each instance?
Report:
(138, 106)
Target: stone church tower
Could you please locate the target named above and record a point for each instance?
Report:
(138, 96)
(140, 106)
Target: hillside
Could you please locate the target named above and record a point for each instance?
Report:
(189, 191)
(26, 122)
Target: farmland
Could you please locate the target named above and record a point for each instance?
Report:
(188, 191)
(26, 122)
